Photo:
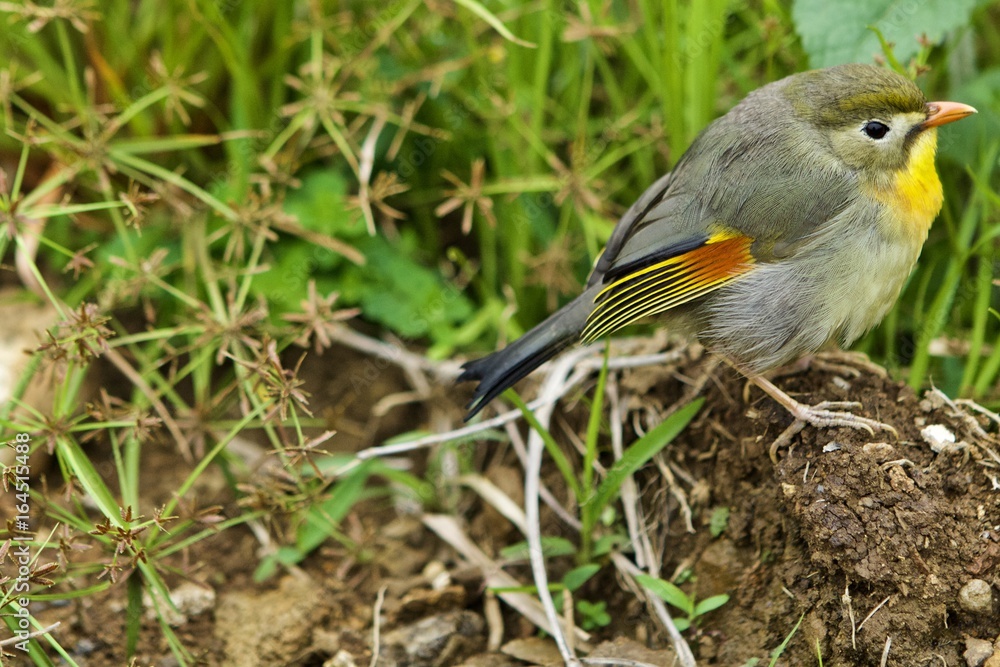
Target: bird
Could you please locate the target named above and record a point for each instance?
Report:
(789, 226)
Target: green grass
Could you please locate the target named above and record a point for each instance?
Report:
(199, 188)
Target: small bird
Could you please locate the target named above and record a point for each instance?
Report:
(790, 225)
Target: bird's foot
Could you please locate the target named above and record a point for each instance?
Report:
(822, 415)
(833, 413)
(847, 363)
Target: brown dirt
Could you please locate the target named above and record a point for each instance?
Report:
(843, 525)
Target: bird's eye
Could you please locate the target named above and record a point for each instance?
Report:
(875, 129)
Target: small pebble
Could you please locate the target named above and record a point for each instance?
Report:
(976, 597)
(937, 436)
(977, 651)
(86, 646)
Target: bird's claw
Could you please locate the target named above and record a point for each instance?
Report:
(826, 415)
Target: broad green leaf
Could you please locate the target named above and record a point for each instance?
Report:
(578, 576)
(605, 543)
(641, 451)
(710, 604)
(323, 519)
(834, 33)
(668, 592)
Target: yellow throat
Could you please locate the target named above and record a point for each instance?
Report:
(913, 194)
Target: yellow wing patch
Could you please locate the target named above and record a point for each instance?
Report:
(668, 284)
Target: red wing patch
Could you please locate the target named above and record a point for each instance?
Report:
(659, 287)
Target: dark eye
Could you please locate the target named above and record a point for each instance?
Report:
(875, 129)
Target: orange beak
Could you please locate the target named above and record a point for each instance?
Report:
(941, 113)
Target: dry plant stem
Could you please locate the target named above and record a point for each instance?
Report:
(31, 232)
(495, 498)
(445, 372)
(448, 529)
(365, 171)
(885, 651)
(629, 491)
(10, 641)
(494, 621)
(677, 493)
(126, 369)
(644, 549)
(684, 654)
(872, 613)
(845, 600)
(517, 442)
(785, 439)
(437, 438)
(551, 389)
(377, 625)
(395, 354)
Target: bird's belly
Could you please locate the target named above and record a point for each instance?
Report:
(832, 292)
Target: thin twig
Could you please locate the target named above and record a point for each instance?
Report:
(391, 353)
(677, 493)
(517, 443)
(845, 599)
(494, 621)
(396, 354)
(119, 362)
(629, 490)
(10, 641)
(885, 651)
(872, 613)
(377, 626)
(365, 170)
(552, 387)
(494, 577)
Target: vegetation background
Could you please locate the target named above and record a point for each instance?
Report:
(202, 190)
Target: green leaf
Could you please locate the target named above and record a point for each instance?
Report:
(266, 569)
(710, 604)
(402, 294)
(79, 464)
(319, 204)
(605, 543)
(719, 521)
(834, 33)
(669, 593)
(776, 653)
(496, 23)
(593, 615)
(551, 546)
(323, 519)
(641, 451)
(578, 576)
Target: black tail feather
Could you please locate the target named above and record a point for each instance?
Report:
(501, 370)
